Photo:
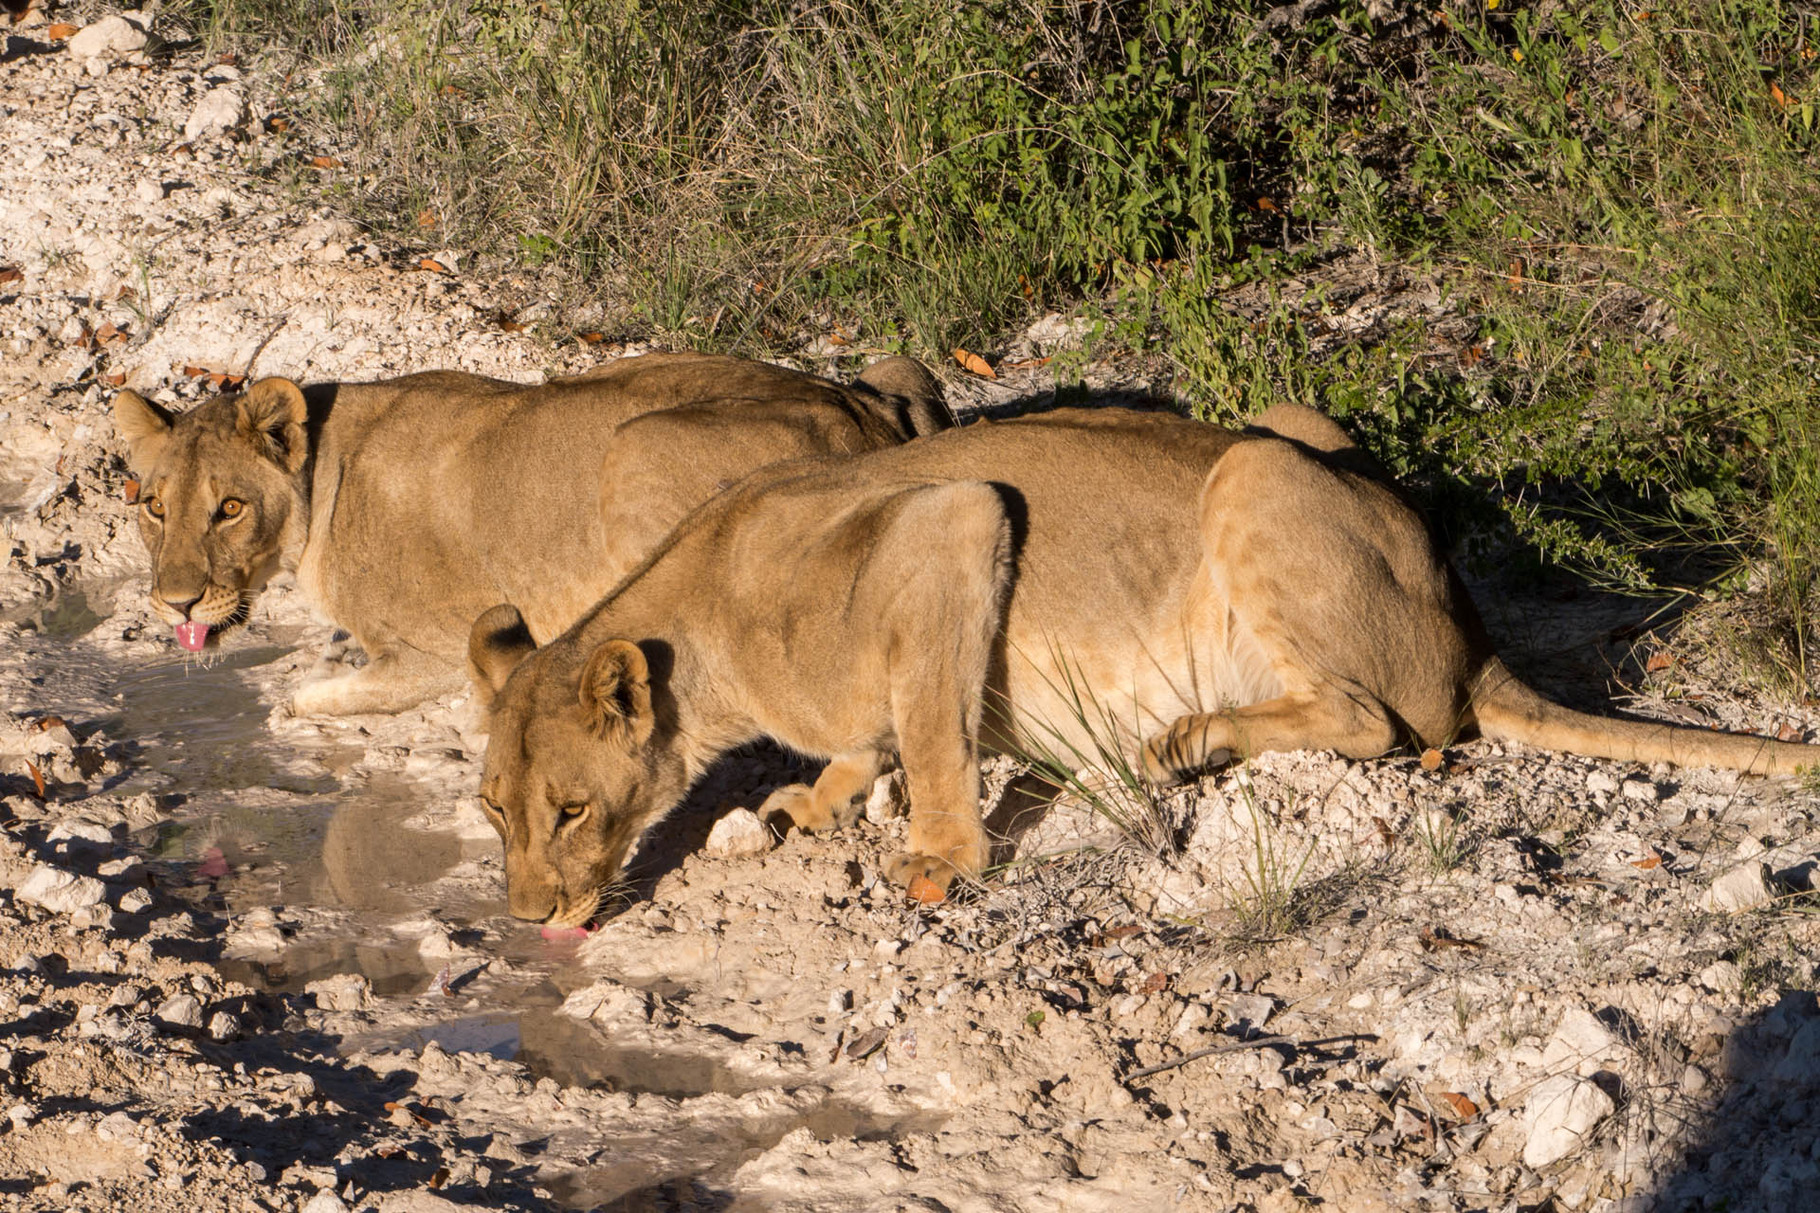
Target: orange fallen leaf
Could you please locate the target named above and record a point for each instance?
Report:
(46, 723)
(973, 362)
(1659, 660)
(37, 777)
(1266, 203)
(278, 125)
(505, 321)
(1777, 95)
(1156, 983)
(926, 891)
(11, 273)
(126, 292)
(1788, 732)
(1471, 355)
(592, 337)
(227, 59)
(1648, 862)
(1516, 276)
(223, 382)
(117, 379)
(61, 30)
(184, 149)
(1462, 1107)
(433, 265)
(1433, 760)
(426, 218)
(110, 332)
(131, 489)
(194, 372)
(324, 162)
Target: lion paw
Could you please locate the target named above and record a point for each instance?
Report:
(797, 802)
(919, 873)
(1162, 772)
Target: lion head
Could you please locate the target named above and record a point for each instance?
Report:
(222, 498)
(580, 760)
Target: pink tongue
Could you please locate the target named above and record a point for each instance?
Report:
(192, 635)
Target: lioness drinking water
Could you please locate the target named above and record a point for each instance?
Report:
(408, 506)
(1215, 593)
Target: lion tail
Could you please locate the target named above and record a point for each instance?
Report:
(1507, 710)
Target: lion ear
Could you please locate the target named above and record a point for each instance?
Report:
(143, 426)
(498, 641)
(273, 411)
(616, 690)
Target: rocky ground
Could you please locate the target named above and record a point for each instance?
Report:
(259, 962)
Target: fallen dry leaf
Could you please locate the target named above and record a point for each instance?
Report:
(505, 321)
(110, 332)
(592, 337)
(131, 488)
(11, 273)
(324, 162)
(440, 1178)
(1788, 732)
(1386, 835)
(1777, 95)
(926, 891)
(61, 30)
(1649, 861)
(433, 265)
(866, 1045)
(37, 777)
(1266, 203)
(1156, 983)
(47, 723)
(278, 125)
(1433, 760)
(1659, 660)
(223, 382)
(1461, 1106)
(117, 379)
(1440, 938)
(426, 218)
(973, 362)
(195, 372)
(1516, 276)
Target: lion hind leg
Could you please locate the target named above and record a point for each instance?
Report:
(949, 557)
(1302, 720)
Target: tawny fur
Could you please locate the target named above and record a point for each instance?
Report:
(409, 506)
(1211, 594)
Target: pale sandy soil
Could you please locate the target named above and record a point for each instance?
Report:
(259, 962)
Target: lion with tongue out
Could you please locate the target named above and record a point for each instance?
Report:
(408, 507)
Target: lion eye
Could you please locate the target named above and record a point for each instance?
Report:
(572, 811)
(231, 507)
(154, 506)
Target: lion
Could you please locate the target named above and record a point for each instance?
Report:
(1211, 593)
(408, 506)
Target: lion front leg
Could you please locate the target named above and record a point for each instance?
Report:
(389, 682)
(950, 554)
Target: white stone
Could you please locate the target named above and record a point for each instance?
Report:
(1742, 888)
(1641, 790)
(608, 1002)
(1580, 1042)
(1601, 782)
(218, 110)
(342, 992)
(737, 834)
(181, 1011)
(1722, 977)
(325, 1201)
(110, 36)
(1801, 1064)
(886, 801)
(223, 1026)
(58, 891)
(134, 900)
(1559, 1116)
(148, 191)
